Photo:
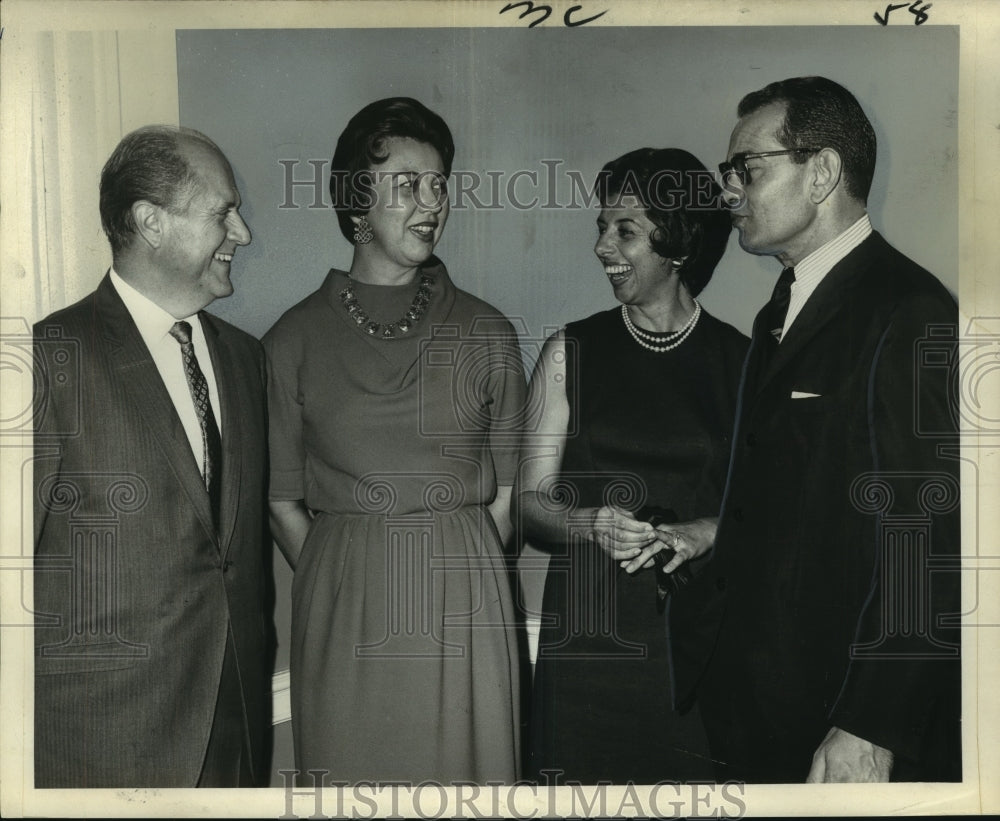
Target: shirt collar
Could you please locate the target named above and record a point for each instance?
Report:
(817, 264)
(153, 322)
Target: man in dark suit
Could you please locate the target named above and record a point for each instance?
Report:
(821, 636)
(150, 631)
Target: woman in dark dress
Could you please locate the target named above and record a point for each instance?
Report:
(638, 405)
(391, 395)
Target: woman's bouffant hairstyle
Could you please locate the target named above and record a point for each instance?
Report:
(682, 199)
(362, 147)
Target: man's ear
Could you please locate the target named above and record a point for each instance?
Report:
(148, 220)
(827, 167)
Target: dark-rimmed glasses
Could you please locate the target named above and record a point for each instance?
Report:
(737, 164)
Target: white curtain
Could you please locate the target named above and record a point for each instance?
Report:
(85, 90)
(68, 97)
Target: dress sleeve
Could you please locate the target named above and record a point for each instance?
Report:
(284, 405)
(509, 392)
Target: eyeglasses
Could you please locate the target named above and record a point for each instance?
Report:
(737, 165)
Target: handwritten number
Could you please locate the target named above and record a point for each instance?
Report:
(884, 21)
(919, 13)
(546, 11)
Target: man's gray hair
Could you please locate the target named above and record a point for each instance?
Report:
(147, 164)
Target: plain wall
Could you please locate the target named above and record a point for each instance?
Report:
(516, 97)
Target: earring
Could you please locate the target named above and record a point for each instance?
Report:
(362, 231)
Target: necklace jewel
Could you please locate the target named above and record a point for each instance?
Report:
(667, 342)
(389, 330)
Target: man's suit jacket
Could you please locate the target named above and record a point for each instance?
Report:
(839, 530)
(135, 591)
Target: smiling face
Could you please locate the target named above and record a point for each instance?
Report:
(199, 241)
(637, 273)
(408, 214)
(775, 215)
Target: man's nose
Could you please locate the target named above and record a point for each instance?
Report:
(733, 195)
(239, 231)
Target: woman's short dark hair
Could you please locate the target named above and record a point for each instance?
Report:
(361, 147)
(820, 113)
(147, 164)
(682, 199)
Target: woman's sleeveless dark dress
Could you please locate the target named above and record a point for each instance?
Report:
(645, 429)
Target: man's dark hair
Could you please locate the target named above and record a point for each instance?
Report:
(822, 114)
(146, 165)
(683, 201)
(362, 146)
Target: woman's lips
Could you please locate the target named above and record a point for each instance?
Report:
(617, 273)
(424, 230)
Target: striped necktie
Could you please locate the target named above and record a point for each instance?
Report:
(211, 441)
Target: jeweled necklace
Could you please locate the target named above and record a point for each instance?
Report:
(676, 338)
(402, 325)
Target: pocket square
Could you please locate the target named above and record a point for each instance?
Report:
(804, 395)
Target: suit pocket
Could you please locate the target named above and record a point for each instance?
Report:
(91, 657)
(812, 404)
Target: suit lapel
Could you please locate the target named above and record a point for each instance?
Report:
(226, 380)
(835, 293)
(141, 381)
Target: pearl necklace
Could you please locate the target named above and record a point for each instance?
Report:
(644, 338)
(402, 325)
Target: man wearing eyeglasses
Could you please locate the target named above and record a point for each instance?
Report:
(816, 639)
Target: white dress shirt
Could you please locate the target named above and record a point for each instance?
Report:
(811, 270)
(154, 326)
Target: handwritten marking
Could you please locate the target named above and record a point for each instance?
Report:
(884, 21)
(919, 13)
(546, 12)
(532, 8)
(573, 24)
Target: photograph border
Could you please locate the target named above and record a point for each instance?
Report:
(153, 21)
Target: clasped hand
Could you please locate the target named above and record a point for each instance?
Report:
(618, 532)
(632, 542)
(688, 540)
